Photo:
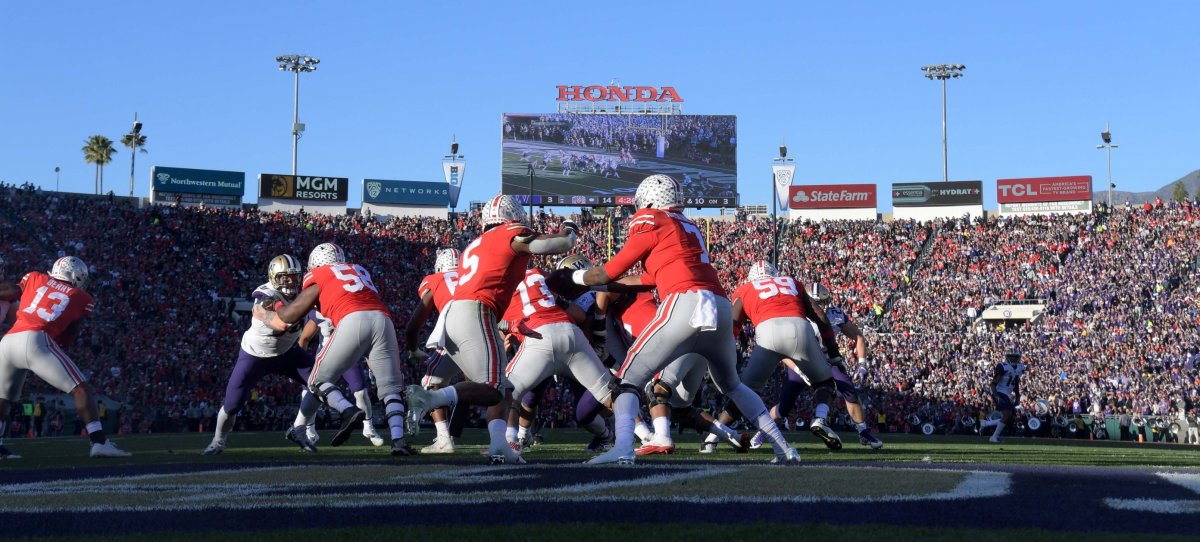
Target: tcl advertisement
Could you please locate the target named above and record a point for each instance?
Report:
(1078, 188)
(832, 196)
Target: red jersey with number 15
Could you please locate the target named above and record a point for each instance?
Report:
(50, 305)
(345, 288)
(533, 300)
(672, 250)
(441, 286)
(771, 297)
(489, 268)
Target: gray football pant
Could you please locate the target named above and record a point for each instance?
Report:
(368, 334)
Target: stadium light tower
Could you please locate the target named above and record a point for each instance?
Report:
(942, 72)
(297, 64)
(1108, 146)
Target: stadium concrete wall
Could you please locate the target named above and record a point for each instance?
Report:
(271, 205)
(817, 215)
(932, 213)
(388, 211)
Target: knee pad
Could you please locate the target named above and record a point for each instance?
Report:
(824, 391)
(322, 390)
(393, 405)
(658, 394)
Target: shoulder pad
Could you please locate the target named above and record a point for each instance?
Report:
(264, 291)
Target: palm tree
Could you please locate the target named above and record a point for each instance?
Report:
(98, 150)
(135, 142)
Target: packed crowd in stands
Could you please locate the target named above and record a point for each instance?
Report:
(1119, 334)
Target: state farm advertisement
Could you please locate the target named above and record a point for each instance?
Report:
(831, 196)
(1044, 189)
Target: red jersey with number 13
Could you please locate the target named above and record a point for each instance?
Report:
(345, 288)
(533, 300)
(50, 305)
(489, 268)
(771, 297)
(672, 250)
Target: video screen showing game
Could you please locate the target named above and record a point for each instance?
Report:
(599, 159)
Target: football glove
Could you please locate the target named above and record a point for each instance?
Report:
(568, 227)
(559, 281)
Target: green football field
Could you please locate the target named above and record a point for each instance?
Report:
(917, 487)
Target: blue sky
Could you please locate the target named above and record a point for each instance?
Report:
(840, 81)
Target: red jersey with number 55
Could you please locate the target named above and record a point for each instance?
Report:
(672, 250)
(50, 305)
(771, 297)
(489, 268)
(441, 286)
(533, 300)
(345, 288)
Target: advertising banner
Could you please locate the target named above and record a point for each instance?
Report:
(1045, 207)
(937, 194)
(303, 188)
(380, 191)
(832, 196)
(1042, 189)
(178, 180)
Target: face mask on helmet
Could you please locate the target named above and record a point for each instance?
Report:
(284, 275)
(577, 263)
(325, 254)
(659, 192)
(760, 270)
(447, 260)
(72, 270)
(501, 210)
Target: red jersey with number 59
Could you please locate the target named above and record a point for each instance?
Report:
(489, 268)
(771, 297)
(533, 300)
(50, 305)
(345, 288)
(441, 286)
(672, 250)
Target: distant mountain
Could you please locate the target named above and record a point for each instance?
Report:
(1191, 181)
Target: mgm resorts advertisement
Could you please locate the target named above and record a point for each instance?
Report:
(300, 187)
(194, 186)
(937, 194)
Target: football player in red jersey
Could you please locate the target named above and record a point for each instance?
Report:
(695, 315)
(781, 312)
(551, 343)
(491, 267)
(434, 293)
(344, 293)
(49, 316)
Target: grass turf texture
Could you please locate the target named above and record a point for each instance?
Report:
(567, 445)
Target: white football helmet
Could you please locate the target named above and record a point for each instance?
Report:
(71, 270)
(284, 274)
(502, 209)
(447, 260)
(819, 292)
(760, 270)
(659, 192)
(325, 254)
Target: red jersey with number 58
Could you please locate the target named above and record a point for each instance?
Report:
(771, 297)
(489, 268)
(672, 250)
(345, 288)
(441, 286)
(50, 305)
(533, 300)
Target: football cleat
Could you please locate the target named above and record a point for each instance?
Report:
(401, 448)
(215, 448)
(300, 437)
(352, 418)
(108, 449)
(516, 447)
(418, 405)
(5, 453)
(373, 436)
(600, 443)
(614, 455)
(311, 431)
(708, 447)
(823, 432)
(655, 448)
(788, 457)
(440, 446)
(741, 443)
(994, 440)
(757, 440)
(505, 455)
(867, 439)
